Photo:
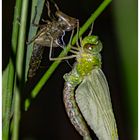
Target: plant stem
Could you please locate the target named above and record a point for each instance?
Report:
(51, 69)
(93, 17)
(16, 118)
(19, 68)
(9, 79)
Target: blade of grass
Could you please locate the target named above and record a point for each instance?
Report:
(19, 69)
(4, 90)
(8, 77)
(33, 29)
(127, 35)
(52, 68)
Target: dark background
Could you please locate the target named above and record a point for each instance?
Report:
(47, 119)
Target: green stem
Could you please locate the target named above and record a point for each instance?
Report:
(93, 17)
(16, 118)
(49, 72)
(4, 90)
(19, 68)
(9, 79)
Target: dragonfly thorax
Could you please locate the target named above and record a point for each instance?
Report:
(87, 62)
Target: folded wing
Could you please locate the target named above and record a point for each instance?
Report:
(93, 99)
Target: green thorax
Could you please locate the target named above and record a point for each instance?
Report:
(86, 63)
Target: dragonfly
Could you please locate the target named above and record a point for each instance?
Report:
(50, 34)
(86, 93)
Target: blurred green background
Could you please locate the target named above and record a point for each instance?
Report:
(117, 29)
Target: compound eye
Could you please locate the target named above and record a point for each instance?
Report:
(89, 47)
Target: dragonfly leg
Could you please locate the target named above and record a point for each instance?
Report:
(52, 17)
(81, 40)
(57, 8)
(77, 43)
(32, 40)
(73, 51)
(51, 45)
(70, 41)
(91, 29)
(48, 9)
(63, 58)
(58, 58)
(90, 32)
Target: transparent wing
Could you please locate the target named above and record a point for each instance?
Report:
(93, 99)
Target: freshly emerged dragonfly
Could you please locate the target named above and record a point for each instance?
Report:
(50, 35)
(87, 87)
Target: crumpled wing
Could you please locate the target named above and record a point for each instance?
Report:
(93, 99)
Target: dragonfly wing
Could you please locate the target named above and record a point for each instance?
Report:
(93, 99)
(35, 60)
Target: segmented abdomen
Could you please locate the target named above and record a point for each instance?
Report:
(35, 60)
(74, 112)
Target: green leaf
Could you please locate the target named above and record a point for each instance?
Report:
(33, 30)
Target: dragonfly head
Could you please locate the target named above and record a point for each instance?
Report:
(66, 22)
(91, 44)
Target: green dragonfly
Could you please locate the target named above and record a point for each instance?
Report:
(86, 94)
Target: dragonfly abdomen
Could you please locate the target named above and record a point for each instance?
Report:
(35, 60)
(73, 111)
